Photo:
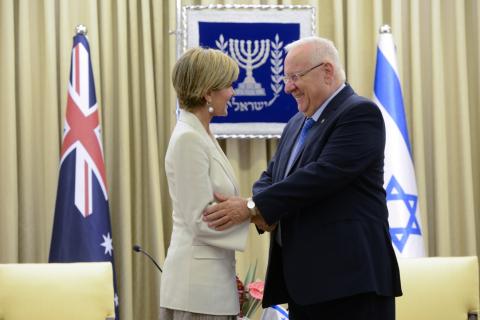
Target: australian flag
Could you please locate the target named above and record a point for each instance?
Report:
(399, 175)
(81, 229)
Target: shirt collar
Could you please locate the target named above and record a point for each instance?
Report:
(317, 113)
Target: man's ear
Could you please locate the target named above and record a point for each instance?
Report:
(329, 72)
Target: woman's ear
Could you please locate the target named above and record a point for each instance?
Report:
(208, 97)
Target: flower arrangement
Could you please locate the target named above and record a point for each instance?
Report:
(250, 293)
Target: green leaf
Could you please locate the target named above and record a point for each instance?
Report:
(254, 306)
(246, 306)
(250, 276)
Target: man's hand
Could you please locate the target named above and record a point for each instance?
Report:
(261, 224)
(228, 212)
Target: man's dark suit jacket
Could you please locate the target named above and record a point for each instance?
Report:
(332, 208)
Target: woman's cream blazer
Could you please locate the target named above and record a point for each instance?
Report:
(199, 270)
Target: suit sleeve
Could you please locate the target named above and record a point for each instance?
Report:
(265, 179)
(357, 140)
(192, 192)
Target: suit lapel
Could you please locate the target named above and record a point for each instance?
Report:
(322, 121)
(290, 139)
(225, 163)
(216, 151)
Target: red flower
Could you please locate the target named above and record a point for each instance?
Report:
(250, 293)
(256, 289)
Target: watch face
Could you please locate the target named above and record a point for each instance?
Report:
(250, 204)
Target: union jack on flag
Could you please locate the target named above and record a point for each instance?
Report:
(81, 228)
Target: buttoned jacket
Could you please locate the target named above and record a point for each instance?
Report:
(199, 270)
(332, 208)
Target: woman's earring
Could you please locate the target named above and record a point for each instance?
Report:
(210, 108)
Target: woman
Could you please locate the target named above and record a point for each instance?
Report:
(198, 280)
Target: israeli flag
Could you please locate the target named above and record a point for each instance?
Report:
(275, 313)
(399, 173)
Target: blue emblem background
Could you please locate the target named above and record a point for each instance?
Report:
(284, 107)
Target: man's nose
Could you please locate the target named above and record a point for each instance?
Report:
(289, 87)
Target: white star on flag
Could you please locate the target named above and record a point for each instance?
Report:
(115, 299)
(107, 243)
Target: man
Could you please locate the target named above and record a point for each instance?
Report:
(330, 254)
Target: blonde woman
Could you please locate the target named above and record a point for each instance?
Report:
(198, 280)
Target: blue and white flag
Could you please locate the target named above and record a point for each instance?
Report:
(399, 175)
(275, 313)
(81, 228)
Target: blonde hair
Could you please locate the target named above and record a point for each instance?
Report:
(199, 71)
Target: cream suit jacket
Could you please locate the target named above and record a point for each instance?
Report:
(199, 270)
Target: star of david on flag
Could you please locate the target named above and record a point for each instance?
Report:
(399, 173)
(81, 227)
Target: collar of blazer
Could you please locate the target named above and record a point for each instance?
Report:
(216, 151)
(328, 112)
(337, 101)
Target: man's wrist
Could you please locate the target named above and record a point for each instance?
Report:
(252, 208)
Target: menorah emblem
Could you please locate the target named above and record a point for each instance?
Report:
(250, 59)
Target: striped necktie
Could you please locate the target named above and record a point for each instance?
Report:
(307, 125)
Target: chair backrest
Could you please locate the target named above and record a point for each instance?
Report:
(56, 291)
(440, 288)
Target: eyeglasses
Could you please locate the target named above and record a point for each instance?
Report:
(294, 77)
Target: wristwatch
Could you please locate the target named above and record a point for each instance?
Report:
(251, 206)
